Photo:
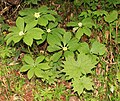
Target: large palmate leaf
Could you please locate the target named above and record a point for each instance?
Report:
(83, 65)
(78, 69)
(83, 83)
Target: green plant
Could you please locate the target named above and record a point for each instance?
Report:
(89, 4)
(37, 67)
(32, 24)
(94, 15)
(82, 27)
(52, 27)
(27, 32)
(79, 70)
(111, 18)
(50, 93)
(5, 52)
(42, 15)
(92, 66)
(61, 45)
(96, 4)
(3, 26)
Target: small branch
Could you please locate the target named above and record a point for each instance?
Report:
(5, 10)
(15, 10)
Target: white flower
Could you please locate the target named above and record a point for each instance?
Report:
(80, 24)
(48, 30)
(21, 33)
(37, 15)
(64, 48)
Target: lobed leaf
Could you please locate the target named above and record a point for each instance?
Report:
(83, 65)
(80, 84)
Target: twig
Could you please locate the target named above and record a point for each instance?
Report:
(15, 10)
(5, 10)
